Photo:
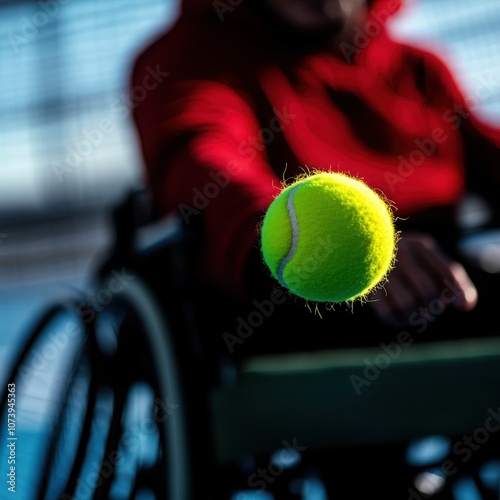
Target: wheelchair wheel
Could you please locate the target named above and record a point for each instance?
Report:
(104, 398)
(148, 373)
(50, 383)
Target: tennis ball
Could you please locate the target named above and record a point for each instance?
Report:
(328, 237)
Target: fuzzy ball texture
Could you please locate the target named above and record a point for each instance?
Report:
(328, 237)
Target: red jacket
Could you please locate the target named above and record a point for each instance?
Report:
(247, 105)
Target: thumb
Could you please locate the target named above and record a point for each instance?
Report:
(465, 289)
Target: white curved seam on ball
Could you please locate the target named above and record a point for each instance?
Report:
(295, 235)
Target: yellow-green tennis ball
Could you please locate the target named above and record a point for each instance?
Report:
(329, 237)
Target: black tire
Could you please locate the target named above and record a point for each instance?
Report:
(147, 340)
(51, 376)
(113, 413)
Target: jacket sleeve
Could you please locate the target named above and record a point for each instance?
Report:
(203, 160)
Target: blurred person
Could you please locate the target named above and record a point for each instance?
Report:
(260, 91)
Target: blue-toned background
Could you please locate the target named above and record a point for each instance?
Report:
(64, 68)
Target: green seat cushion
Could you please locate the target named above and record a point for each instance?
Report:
(357, 396)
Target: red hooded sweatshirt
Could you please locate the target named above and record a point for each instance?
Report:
(248, 104)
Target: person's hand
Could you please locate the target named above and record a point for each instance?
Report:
(424, 281)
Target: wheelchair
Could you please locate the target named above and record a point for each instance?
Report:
(142, 405)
